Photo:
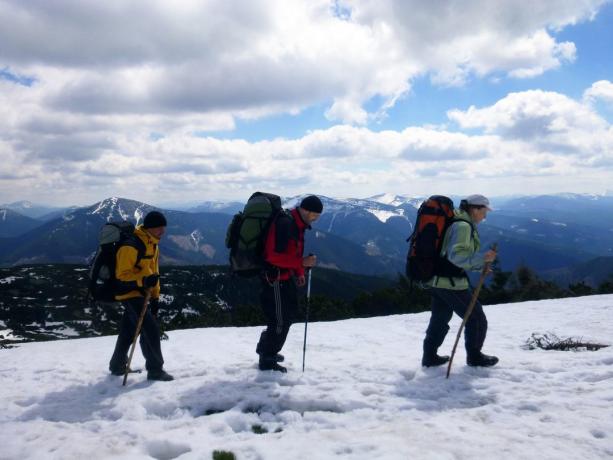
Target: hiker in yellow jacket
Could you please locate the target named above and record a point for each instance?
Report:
(137, 270)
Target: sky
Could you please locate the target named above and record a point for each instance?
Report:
(363, 395)
(189, 101)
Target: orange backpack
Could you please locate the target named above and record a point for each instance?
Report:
(424, 261)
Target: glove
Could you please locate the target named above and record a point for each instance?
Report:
(154, 307)
(150, 281)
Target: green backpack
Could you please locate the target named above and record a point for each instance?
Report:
(247, 233)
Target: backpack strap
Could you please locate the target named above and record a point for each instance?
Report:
(446, 267)
(141, 250)
(123, 287)
(472, 225)
(283, 230)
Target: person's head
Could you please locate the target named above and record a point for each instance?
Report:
(477, 207)
(310, 209)
(155, 224)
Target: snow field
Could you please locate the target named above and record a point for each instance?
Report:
(364, 394)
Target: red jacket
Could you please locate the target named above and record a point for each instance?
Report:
(285, 245)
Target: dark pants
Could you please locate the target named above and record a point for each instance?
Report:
(444, 303)
(149, 337)
(280, 303)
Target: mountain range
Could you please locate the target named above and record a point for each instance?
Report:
(366, 236)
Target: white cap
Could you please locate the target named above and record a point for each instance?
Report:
(478, 200)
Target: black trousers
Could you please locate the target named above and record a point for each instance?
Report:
(444, 303)
(149, 337)
(280, 304)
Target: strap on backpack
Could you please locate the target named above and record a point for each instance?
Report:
(135, 242)
(141, 250)
(464, 273)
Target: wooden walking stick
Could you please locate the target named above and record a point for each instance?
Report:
(470, 308)
(139, 325)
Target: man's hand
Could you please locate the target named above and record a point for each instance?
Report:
(300, 281)
(150, 281)
(309, 261)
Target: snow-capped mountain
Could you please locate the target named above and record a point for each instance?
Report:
(397, 200)
(191, 238)
(332, 206)
(361, 235)
(73, 237)
(115, 208)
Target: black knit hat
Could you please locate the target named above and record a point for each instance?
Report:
(154, 219)
(312, 203)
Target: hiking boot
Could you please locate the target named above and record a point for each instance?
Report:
(270, 364)
(278, 357)
(481, 360)
(434, 360)
(160, 375)
(117, 371)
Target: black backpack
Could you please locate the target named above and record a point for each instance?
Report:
(103, 285)
(434, 217)
(246, 234)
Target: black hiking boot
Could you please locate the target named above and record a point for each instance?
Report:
(118, 372)
(160, 375)
(481, 360)
(434, 360)
(278, 357)
(271, 364)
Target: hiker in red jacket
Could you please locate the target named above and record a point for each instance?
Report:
(283, 253)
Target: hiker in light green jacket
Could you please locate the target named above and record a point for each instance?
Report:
(452, 294)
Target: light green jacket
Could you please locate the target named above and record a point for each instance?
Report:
(461, 247)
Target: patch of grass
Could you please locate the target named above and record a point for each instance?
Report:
(259, 429)
(213, 411)
(252, 410)
(223, 455)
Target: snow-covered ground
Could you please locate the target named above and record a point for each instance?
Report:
(363, 395)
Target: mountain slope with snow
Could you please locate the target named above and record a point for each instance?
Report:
(363, 395)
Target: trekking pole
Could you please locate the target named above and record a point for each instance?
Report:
(306, 316)
(137, 333)
(470, 308)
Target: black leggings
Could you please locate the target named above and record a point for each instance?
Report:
(279, 304)
(149, 337)
(444, 303)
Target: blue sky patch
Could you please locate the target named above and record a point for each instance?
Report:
(6, 74)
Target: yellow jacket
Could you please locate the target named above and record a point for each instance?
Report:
(129, 274)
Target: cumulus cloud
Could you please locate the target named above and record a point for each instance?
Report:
(125, 96)
(261, 57)
(551, 121)
(600, 90)
(567, 144)
(454, 39)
